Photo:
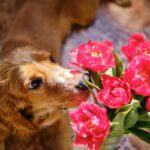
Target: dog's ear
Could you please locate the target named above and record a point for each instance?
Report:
(9, 105)
(11, 117)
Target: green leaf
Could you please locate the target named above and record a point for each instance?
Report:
(113, 125)
(131, 119)
(142, 124)
(110, 142)
(96, 78)
(124, 108)
(143, 135)
(118, 124)
(144, 116)
(114, 71)
(139, 97)
(111, 113)
(90, 84)
(132, 113)
(135, 104)
(119, 66)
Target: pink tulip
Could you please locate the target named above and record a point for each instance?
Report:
(137, 74)
(137, 45)
(115, 92)
(95, 56)
(91, 124)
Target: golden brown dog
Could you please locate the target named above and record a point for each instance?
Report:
(33, 88)
(44, 24)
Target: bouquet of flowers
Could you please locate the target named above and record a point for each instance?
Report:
(121, 97)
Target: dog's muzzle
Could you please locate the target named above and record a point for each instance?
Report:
(81, 85)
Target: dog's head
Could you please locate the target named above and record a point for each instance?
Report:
(32, 87)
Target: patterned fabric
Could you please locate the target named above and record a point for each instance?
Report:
(102, 28)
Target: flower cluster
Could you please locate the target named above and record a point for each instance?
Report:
(121, 96)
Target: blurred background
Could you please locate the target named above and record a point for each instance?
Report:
(116, 20)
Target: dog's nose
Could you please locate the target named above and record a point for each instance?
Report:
(81, 84)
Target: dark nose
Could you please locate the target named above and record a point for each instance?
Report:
(81, 84)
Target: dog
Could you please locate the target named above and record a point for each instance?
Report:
(34, 88)
(44, 24)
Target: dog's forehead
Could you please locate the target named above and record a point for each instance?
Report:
(35, 70)
(40, 55)
(30, 54)
(45, 70)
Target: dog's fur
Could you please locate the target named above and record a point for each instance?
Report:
(37, 33)
(124, 3)
(44, 24)
(135, 17)
(23, 110)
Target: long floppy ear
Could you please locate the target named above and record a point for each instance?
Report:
(9, 113)
(11, 117)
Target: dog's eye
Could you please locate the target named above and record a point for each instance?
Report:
(52, 59)
(35, 84)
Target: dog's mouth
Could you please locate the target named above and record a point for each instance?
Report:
(76, 100)
(73, 99)
(40, 119)
(26, 113)
(83, 92)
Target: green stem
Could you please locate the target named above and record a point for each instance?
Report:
(93, 95)
(96, 79)
(143, 124)
(90, 84)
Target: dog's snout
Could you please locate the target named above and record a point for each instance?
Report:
(87, 76)
(81, 84)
